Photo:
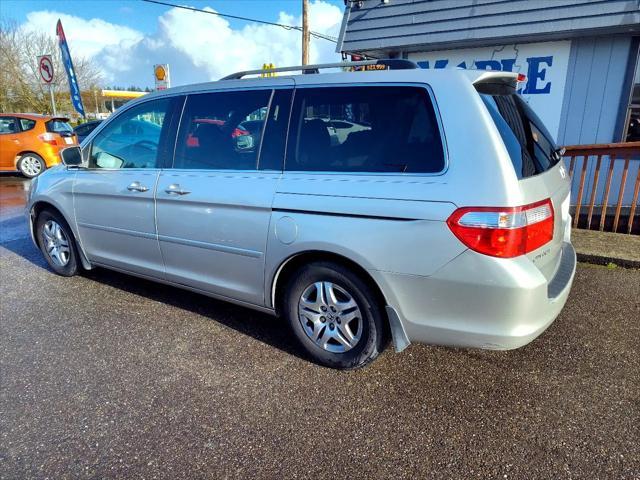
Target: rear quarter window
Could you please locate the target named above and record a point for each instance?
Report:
(388, 129)
(530, 146)
(27, 124)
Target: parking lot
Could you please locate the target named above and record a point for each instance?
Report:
(108, 376)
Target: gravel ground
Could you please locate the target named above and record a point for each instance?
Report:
(108, 376)
(604, 247)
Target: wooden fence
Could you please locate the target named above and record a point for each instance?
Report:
(608, 205)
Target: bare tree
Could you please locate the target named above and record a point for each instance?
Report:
(20, 86)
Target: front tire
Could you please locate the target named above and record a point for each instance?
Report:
(57, 243)
(31, 165)
(335, 315)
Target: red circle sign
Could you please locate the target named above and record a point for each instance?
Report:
(45, 67)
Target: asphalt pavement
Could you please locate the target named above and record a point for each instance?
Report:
(107, 376)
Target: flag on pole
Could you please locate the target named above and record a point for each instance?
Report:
(74, 89)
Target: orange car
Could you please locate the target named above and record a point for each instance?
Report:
(30, 143)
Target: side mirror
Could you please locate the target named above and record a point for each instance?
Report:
(71, 156)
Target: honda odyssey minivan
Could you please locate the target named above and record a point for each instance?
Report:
(403, 204)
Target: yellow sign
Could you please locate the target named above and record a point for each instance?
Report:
(122, 94)
(267, 67)
(161, 75)
(160, 72)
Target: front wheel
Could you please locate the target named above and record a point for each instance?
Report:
(335, 315)
(31, 165)
(57, 243)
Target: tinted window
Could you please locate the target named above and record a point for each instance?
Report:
(58, 126)
(132, 139)
(8, 125)
(633, 125)
(222, 130)
(530, 145)
(27, 124)
(275, 136)
(86, 128)
(365, 129)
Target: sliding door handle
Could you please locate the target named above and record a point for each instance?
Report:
(137, 187)
(175, 189)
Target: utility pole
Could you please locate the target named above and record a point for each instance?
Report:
(305, 32)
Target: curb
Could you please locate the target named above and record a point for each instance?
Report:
(604, 260)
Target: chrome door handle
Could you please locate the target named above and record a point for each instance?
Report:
(175, 189)
(137, 187)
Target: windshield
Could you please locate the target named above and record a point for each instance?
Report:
(530, 145)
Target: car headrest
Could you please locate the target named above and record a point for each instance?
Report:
(314, 134)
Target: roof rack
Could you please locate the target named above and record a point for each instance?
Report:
(389, 63)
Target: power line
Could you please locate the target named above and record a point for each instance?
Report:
(246, 19)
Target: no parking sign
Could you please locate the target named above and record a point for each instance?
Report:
(45, 69)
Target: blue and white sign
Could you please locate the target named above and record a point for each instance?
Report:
(76, 99)
(544, 64)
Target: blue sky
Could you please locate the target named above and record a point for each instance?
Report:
(127, 37)
(142, 15)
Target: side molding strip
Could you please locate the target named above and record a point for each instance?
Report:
(180, 241)
(123, 231)
(350, 215)
(211, 246)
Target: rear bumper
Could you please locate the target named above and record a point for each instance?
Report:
(479, 301)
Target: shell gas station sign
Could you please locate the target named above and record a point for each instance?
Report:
(161, 75)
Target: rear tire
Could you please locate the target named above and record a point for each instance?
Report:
(31, 165)
(57, 243)
(334, 315)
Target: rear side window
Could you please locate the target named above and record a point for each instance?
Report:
(364, 129)
(58, 126)
(27, 124)
(222, 130)
(530, 145)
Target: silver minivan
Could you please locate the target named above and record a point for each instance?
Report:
(401, 204)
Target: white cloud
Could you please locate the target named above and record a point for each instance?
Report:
(198, 47)
(86, 37)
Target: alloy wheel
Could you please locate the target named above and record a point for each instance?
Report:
(31, 165)
(330, 317)
(56, 243)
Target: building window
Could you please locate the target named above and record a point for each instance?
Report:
(632, 126)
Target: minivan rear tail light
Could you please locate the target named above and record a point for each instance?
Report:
(49, 138)
(504, 232)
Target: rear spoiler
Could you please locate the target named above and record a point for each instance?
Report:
(498, 83)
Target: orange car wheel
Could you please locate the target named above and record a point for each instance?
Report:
(31, 165)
